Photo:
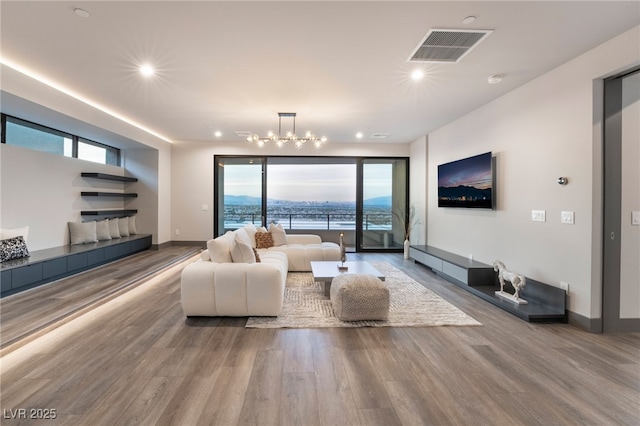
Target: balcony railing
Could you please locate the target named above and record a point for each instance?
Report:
(327, 221)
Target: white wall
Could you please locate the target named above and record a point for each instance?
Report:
(418, 189)
(42, 191)
(54, 107)
(192, 171)
(537, 133)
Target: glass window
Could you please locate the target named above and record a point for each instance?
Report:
(98, 153)
(312, 196)
(32, 136)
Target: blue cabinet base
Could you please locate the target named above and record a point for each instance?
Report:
(44, 266)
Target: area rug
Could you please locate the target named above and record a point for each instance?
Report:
(411, 305)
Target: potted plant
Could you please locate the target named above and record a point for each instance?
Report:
(408, 221)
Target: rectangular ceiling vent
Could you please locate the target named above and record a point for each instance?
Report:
(379, 135)
(447, 45)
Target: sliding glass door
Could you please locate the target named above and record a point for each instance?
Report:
(238, 192)
(363, 199)
(384, 203)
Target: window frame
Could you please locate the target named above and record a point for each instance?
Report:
(75, 139)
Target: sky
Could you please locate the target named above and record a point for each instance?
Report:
(308, 182)
(473, 171)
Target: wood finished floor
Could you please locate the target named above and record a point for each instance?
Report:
(144, 363)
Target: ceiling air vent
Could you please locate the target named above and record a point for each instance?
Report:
(447, 45)
(379, 135)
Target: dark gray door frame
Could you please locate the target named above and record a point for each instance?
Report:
(612, 201)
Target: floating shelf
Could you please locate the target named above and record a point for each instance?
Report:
(108, 194)
(107, 212)
(105, 176)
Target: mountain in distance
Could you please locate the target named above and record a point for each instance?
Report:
(241, 200)
(246, 200)
(378, 201)
(463, 191)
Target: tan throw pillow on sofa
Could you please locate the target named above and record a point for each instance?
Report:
(264, 240)
(278, 234)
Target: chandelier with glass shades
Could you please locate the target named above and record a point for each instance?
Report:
(281, 140)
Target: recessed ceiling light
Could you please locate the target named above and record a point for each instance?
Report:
(147, 70)
(218, 133)
(469, 20)
(359, 135)
(417, 74)
(81, 12)
(495, 79)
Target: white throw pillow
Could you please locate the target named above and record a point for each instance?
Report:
(82, 232)
(102, 230)
(251, 232)
(243, 235)
(23, 232)
(133, 229)
(113, 228)
(278, 234)
(220, 248)
(123, 226)
(242, 252)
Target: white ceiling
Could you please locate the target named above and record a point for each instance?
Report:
(341, 65)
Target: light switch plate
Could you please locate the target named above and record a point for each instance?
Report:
(538, 216)
(205, 207)
(567, 218)
(635, 218)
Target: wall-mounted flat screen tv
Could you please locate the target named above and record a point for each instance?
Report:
(467, 183)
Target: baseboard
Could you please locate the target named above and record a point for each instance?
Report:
(592, 325)
(201, 244)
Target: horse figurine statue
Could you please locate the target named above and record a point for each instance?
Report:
(518, 281)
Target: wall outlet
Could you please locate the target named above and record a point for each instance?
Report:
(177, 231)
(538, 215)
(205, 207)
(564, 286)
(567, 218)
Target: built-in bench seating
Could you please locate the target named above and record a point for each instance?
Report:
(44, 266)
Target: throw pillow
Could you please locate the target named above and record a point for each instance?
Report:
(257, 255)
(102, 230)
(23, 232)
(82, 232)
(220, 248)
(113, 228)
(250, 228)
(264, 240)
(243, 235)
(123, 226)
(13, 248)
(133, 229)
(242, 252)
(278, 234)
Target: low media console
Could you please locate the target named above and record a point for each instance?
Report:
(545, 302)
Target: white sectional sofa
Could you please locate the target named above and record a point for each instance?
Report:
(228, 281)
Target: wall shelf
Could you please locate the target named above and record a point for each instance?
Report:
(108, 194)
(105, 176)
(108, 212)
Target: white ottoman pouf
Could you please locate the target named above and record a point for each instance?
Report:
(359, 297)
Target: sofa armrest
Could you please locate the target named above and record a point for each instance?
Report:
(303, 239)
(232, 289)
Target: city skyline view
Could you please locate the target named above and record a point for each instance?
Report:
(307, 183)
